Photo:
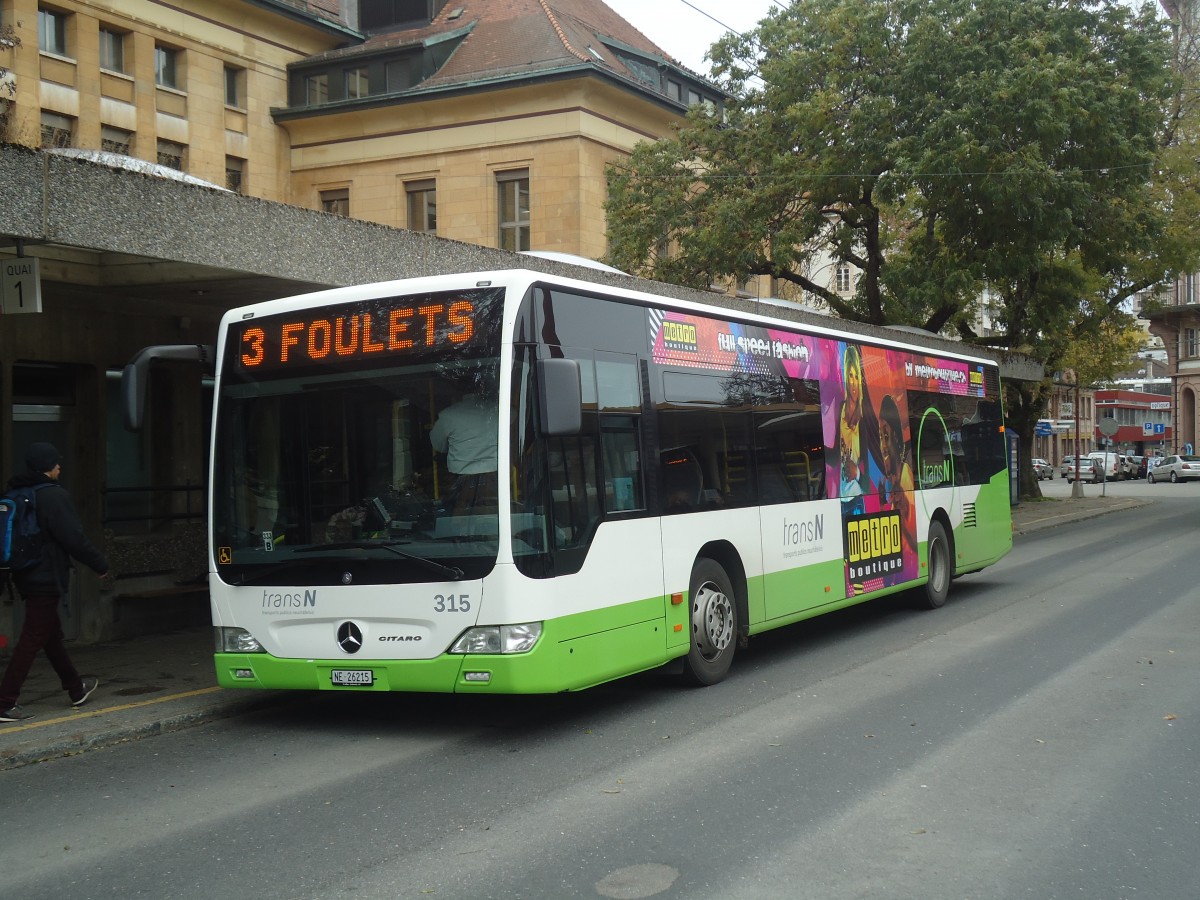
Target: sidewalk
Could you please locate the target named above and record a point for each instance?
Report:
(166, 682)
(1034, 515)
(149, 684)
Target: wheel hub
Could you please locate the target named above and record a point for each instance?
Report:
(712, 620)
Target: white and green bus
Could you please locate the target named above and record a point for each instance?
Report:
(508, 482)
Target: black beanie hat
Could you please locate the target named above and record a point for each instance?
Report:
(42, 457)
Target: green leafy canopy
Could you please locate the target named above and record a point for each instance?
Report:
(1036, 152)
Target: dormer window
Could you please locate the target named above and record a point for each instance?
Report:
(644, 70)
(316, 89)
(380, 15)
(349, 79)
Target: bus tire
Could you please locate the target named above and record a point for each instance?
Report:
(940, 565)
(712, 617)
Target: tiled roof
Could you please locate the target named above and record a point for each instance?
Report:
(520, 37)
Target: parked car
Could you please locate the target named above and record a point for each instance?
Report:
(1137, 466)
(1089, 470)
(1068, 464)
(1043, 470)
(1109, 466)
(1175, 468)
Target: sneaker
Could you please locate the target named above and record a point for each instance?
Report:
(14, 714)
(89, 684)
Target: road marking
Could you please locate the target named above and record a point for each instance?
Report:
(74, 717)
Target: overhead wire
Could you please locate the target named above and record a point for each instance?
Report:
(729, 28)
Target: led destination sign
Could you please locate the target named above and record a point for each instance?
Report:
(396, 327)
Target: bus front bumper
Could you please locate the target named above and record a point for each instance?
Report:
(446, 674)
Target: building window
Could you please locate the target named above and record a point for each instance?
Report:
(513, 191)
(336, 202)
(316, 89)
(1191, 343)
(389, 13)
(166, 67)
(115, 140)
(675, 91)
(422, 205)
(235, 86)
(112, 50)
(843, 279)
(57, 130)
(356, 83)
(235, 174)
(403, 73)
(641, 68)
(170, 155)
(52, 31)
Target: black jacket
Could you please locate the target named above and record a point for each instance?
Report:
(63, 538)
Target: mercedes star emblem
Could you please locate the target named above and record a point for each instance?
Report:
(349, 637)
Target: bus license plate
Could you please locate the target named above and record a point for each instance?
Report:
(353, 677)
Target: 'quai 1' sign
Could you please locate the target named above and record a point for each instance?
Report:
(21, 285)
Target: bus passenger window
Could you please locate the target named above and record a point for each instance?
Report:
(682, 481)
(788, 447)
(718, 445)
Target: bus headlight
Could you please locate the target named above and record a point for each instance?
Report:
(236, 640)
(498, 639)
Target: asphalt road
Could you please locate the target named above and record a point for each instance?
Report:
(1036, 738)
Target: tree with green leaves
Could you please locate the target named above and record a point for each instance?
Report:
(8, 40)
(8, 88)
(943, 148)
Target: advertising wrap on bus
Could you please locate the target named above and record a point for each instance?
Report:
(870, 438)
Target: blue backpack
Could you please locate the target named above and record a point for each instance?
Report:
(20, 537)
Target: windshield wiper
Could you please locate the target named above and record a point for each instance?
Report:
(454, 573)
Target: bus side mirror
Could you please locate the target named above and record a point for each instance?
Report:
(134, 376)
(561, 397)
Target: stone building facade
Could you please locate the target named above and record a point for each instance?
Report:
(1177, 322)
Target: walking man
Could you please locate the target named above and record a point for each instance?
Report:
(43, 585)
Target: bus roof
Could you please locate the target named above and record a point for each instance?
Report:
(650, 293)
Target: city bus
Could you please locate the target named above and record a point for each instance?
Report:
(512, 482)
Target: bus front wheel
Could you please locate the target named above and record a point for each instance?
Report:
(941, 569)
(713, 621)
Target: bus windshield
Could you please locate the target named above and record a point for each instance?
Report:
(357, 443)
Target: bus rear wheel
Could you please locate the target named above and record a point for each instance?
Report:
(941, 568)
(714, 624)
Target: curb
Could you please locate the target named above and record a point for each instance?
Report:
(78, 740)
(1077, 515)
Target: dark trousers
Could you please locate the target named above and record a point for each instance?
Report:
(42, 631)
